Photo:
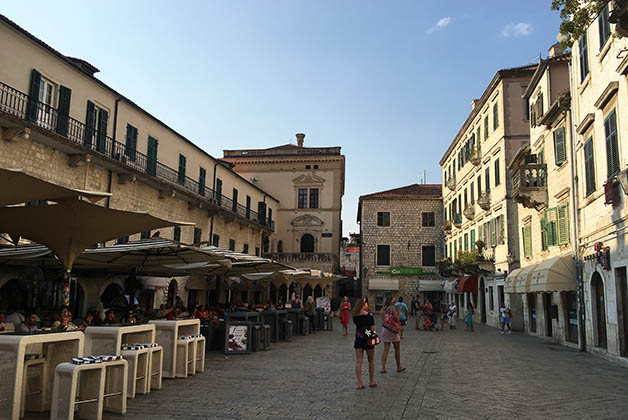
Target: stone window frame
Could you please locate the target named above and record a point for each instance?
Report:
(423, 219)
(377, 264)
(423, 246)
(382, 213)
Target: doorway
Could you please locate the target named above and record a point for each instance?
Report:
(307, 243)
(547, 311)
(599, 309)
(532, 311)
(622, 304)
(572, 317)
(172, 293)
(482, 302)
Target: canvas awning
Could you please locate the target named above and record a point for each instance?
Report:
(467, 284)
(509, 282)
(199, 283)
(383, 284)
(153, 283)
(522, 283)
(431, 285)
(556, 274)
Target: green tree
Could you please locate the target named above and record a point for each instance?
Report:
(577, 15)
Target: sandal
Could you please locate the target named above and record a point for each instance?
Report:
(401, 370)
(372, 385)
(360, 386)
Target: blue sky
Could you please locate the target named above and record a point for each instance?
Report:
(390, 81)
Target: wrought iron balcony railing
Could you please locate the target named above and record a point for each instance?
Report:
(484, 200)
(20, 105)
(469, 212)
(451, 183)
(529, 184)
(447, 226)
(476, 156)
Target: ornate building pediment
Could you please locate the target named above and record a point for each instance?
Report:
(308, 179)
(307, 220)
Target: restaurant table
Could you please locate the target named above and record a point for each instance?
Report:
(242, 316)
(166, 335)
(108, 339)
(295, 315)
(271, 317)
(58, 347)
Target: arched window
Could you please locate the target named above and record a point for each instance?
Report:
(307, 243)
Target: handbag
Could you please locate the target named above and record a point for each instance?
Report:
(372, 339)
(391, 324)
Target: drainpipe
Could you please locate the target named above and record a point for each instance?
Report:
(576, 217)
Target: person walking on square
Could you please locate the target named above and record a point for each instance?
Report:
(345, 310)
(468, 317)
(444, 316)
(402, 309)
(310, 311)
(504, 317)
(390, 333)
(364, 322)
(453, 312)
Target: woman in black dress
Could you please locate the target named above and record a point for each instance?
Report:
(363, 321)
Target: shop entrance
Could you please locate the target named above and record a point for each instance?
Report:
(532, 311)
(572, 317)
(547, 311)
(599, 309)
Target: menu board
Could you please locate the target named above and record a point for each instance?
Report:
(237, 338)
(324, 302)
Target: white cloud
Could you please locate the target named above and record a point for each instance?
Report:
(517, 30)
(441, 24)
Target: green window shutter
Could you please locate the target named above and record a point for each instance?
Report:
(560, 154)
(218, 191)
(151, 156)
(235, 200)
(33, 96)
(63, 111)
(543, 234)
(201, 181)
(497, 173)
(604, 26)
(612, 149)
(261, 213)
(130, 148)
(466, 241)
(101, 135)
(563, 224)
(478, 134)
(88, 135)
(181, 173)
(485, 127)
(248, 207)
(584, 57)
(527, 241)
(552, 220)
(493, 233)
(472, 239)
(589, 166)
(495, 116)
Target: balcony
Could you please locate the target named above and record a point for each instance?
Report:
(458, 220)
(475, 156)
(529, 185)
(469, 212)
(447, 226)
(18, 105)
(484, 200)
(451, 183)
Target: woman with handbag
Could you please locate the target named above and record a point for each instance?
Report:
(365, 340)
(390, 333)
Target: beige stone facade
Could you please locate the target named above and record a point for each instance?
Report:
(401, 233)
(60, 123)
(309, 184)
(477, 184)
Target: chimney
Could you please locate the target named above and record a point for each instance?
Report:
(300, 137)
(555, 50)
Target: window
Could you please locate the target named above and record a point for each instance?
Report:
(563, 224)
(248, 207)
(472, 239)
(584, 57)
(96, 127)
(428, 253)
(479, 183)
(383, 254)
(495, 116)
(270, 216)
(257, 251)
(234, 204)
(485, 127)
(307, 166)
(428, 219)
(43, 111)
(181, 173)
(491, 298)
(176, 236)
(549, 223)
(202, 175)
(197, 236)
(315, 166)
(261, 213)
(465, 198)
(478, 133)
(145, 235)
(313, 198)
(245, 248)
(455, 256)
(383, 218)
(151, 156)
(589, 167)
(493, 230)
(123, 240)
(130, 147)
(497, 174)
(560, 154)
(466, 241)
(216, 240)
(527, 241)
(231, 244)
(612, 150)
(487, 179)
(218, 191)
(604, 26)
(302, 198)
(472, 191)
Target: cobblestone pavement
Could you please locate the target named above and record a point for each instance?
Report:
(450, 375)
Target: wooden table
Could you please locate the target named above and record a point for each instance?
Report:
(167, 334)
(58, 347)
(108, 339)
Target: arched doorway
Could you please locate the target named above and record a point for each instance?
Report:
(307, 243)
(318, 291)
(110, 297)
(482, 302)
(173, 287)
(599, 309)
(307, 291)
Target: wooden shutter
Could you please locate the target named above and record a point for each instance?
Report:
(248, 207)
(89, 124)
(181, 173)
(261, 212)
(493, 233)
(563, 224)
(33, 96)
(235, 200)
(589, 166)
(472, 239)
(550, 226)
(101, 137)
(63, 111)
(527, 241)
(544, 234)
(495, 116)
(612, 150)
(201, 181)
(560, 154)
(151, 158)
(131, 142)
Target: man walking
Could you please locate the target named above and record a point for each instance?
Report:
(504, 317)
(402, 309)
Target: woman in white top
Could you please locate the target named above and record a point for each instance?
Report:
(453, 311)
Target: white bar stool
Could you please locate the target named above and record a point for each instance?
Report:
(186, 356)
(155, 369)
(69, 391)
(137, 356)
(34, 399)
(200, 353)
(116, 384)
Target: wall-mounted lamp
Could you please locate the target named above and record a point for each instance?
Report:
(622, 177)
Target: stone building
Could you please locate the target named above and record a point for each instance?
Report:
(600, 120)
(477, 188)
(59, 122)
(309, 183)
(401, 237)
(543, 292)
